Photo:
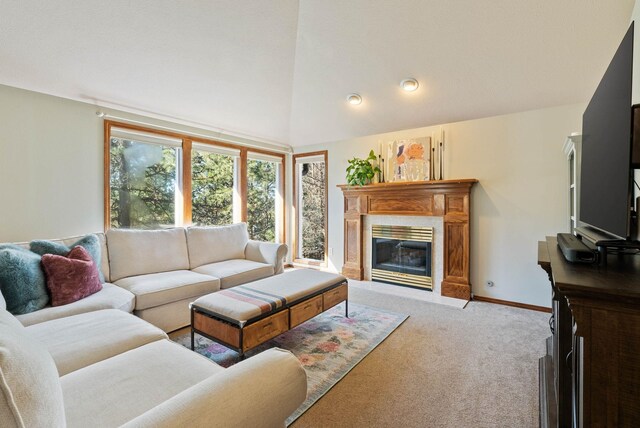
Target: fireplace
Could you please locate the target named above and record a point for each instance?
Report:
(402, 255)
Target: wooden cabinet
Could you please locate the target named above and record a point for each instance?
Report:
(594, 360)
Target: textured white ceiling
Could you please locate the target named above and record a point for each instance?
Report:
(281, 69)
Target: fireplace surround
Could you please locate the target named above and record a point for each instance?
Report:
(449, 200)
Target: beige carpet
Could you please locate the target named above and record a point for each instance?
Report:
(444, 367)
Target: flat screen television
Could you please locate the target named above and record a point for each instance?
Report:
(606, 178)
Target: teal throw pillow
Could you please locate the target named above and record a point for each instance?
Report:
(91, 243)
(22, 280)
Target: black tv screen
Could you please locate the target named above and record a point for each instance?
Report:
(605, 179)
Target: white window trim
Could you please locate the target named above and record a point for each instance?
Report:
(209, 148)
(145, 137)
(263, 157)
(310, 159)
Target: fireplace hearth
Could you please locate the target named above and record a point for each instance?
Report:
(402, 255)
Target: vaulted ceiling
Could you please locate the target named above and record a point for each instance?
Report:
(280, 70)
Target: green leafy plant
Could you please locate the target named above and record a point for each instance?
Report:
(361, 171)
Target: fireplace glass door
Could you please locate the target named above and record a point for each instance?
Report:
(402, 255)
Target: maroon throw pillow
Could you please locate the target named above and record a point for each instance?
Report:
(71, 278)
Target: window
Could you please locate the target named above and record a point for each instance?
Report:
(263, 196)
(214, 195)
(144, 180)
(157, 179)
(310, 199)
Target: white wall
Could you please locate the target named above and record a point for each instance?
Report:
(520, 199)
(51, 165)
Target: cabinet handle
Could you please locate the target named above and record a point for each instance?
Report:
(568, 363)
(552, 324)
(268, 325)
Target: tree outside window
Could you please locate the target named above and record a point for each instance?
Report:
(212, 188)
(261, 199)
(159, 179)
(310, 197)
(143, 184)
(312, 210)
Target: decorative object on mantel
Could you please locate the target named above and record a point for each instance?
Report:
(416, 166)
(449, 199)
(436, 163)
(362, 171)
(406, 160)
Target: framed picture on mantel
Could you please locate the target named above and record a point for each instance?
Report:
(410, 160)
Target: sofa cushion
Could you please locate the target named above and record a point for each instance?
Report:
(160, 288)
(90, 243)
(170, 316)
(22, 280)
(80, 340)
(71, 278)
(116, 390)
(30, 392)
(138, 252)
(236, 272)
(215, 244)
(110, 297)
(104, 253)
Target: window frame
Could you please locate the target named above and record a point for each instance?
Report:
(185, 182)
(296, 215)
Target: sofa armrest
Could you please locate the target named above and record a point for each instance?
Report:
(267, 252)
(262, 391)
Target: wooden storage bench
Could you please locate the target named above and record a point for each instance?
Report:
(248, 315)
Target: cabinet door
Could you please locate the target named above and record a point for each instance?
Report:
(577, 390)
(562, 360)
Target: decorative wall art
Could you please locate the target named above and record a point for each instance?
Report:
(414, 159)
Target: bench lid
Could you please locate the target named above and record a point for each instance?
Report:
(255, 299)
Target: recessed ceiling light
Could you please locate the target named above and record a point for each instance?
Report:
(354, 99)
(409, 85)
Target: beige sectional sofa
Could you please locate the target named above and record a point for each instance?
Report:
(109, 368)
(92, 363)
(157, 273)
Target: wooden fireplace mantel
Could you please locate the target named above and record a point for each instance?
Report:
(450, 199)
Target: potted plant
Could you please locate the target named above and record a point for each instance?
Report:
(361, 171)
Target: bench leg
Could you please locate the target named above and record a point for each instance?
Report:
(346, 308)
(192, 339)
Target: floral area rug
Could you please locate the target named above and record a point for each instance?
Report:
(328, 346)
